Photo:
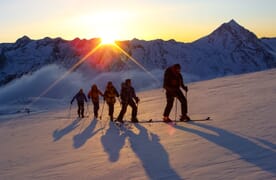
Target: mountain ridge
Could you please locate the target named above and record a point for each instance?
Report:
(230, 49)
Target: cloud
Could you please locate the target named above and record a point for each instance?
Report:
(33, 85)
(29, 88)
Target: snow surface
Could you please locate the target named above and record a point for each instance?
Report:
(238, 143)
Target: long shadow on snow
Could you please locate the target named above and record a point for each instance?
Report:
(113, 142)
(152, 154)
(87, 133)
(59, 133)
(146, 146)
(267, 143)
(249, 151)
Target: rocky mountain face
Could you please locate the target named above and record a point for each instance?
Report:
(228, 50)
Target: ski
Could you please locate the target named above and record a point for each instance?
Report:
(83, 117)
(177, 121)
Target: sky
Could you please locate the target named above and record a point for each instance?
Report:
(181, 20)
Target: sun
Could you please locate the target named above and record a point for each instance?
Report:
(108, 36)
(109, 27)
(107, 40)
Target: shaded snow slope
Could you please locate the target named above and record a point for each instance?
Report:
(239, 143)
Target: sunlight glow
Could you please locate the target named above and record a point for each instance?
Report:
(109, 25)
(75, 66)
(105, 40)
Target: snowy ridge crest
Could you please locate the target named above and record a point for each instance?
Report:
(230, 49)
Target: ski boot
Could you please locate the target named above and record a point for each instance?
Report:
(134, 120)
(185, 118)
(166, 119)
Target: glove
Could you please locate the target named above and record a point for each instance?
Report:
(137, 100)
(185, 88)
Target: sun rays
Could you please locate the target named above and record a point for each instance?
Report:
(75, 66)
(136, 62)
(103, 44)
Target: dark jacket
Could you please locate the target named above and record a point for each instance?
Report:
(172, 79)
(127, 93)
(94, 94)
(110, 95)
(80, 97)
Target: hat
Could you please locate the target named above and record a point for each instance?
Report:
(177, 66)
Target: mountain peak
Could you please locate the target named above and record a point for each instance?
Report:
(232, 22)
(232, 29)
(23, 40)
(232, 26)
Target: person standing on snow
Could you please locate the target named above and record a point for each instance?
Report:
(173, 80)
(94, 94)
(80, 97)
(110, 95)
(128, 96)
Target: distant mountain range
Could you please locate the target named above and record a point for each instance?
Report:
(230, 49)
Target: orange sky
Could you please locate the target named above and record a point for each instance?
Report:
(182, 20)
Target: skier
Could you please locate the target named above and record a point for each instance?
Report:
(110, 95)
(94, 94)
(128, 96)
(80, 96)
(173, 80)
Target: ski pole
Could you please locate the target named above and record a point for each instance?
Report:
(102, 110)
(175, 109)
(69, 115)
(87, 109)
(101, 119)
(186, 94)
(120, 101)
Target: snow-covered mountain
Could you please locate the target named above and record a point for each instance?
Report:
(230, 49)
(270, 42)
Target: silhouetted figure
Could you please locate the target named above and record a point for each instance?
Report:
(128, 96)
(94, 94)
(80, 97)
(173, 81)
(110, 95)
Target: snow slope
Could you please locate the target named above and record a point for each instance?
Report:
(239, 143)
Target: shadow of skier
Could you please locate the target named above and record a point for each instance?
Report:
(59, 133)
(113, 142)
(249, 151)
(152, 154)
(87, 133)
(267, 143)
